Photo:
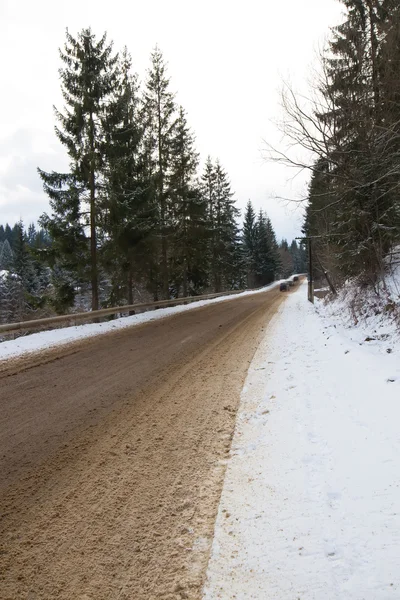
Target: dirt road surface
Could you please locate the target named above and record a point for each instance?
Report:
(113, 451)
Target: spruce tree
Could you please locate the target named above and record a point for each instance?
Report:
(88, 79)
(264, 258)
(11, 298)
(32, 234)
(249, 236)
(188, 210)
(125, 210)
(23, 265)
(8, 234)
(275, 256)
(159, 110)
(287, 263)
(225, 229)
(208, 190)
(359, 168)
(267, 258)
(296, 258)
(6, 257)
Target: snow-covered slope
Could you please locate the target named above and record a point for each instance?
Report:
(310, 505)
(368, 313)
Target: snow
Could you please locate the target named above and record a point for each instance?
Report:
(47, 339)
(310, 507)
(368, 313)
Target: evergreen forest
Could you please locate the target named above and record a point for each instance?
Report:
(353, 132)
(134, 217)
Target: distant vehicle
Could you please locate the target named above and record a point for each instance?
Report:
(290, 283)
(284, 286)
(295, 278)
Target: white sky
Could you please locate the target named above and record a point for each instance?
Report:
(226, 61)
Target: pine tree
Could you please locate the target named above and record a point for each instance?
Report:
(6, 257)
(354, 131)
(126, 220)
(249, 236)
(208, 191)
(353, 88)
(296, 257)
(147, 253)
(23, 265)
(286, 259)
(188, 211)
(362, 148)
(159, 110)
(11, 297)
(225, 252)
(32, 234)
(225, 229)
(263, 252)
(88, 79)
(275, 256)
(8, 234)
(236, 274)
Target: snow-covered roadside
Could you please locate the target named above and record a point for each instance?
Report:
(310, 507)
(367, 314)
(66, 335)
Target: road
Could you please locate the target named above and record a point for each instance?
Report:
(113, 452)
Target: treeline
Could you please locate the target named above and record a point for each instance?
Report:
(354, 132)
(30, 287)
(265, 259)
(25, 279)
(133, 216)
(133, 208)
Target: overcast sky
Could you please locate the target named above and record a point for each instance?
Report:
(226, 61)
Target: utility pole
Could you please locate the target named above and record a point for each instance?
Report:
(310, 268)
(310, 274)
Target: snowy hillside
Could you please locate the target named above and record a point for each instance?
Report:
(366, 314)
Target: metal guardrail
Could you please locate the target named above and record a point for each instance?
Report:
(104, 312)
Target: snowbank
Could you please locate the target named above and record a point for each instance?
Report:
(310, 504)
(366, 313)
(47, 339)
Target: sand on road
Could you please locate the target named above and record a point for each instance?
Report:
(113, 452)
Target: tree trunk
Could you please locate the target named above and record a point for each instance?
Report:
(93, 243)
(374, 53)
(217, 282)
(185, 260)
(154, 282)
(164, 250)
(213, 256)
(130, 287)
(93, 238)
(164, 264)
(184, 279)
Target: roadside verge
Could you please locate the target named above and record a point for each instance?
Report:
(309, 507)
